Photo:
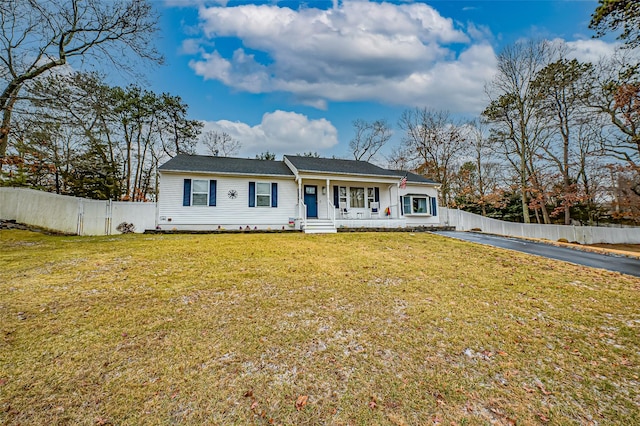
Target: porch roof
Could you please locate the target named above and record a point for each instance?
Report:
(339, 166)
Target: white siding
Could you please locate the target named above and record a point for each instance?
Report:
(416, 220)
(228, 213)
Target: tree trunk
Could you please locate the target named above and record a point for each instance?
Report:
(523, 189)
(5, 128)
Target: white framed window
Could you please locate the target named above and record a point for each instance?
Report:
(371, 196)
(342, 196)
(263, 194)
(356, 197)
(417, 204)
(200, 192)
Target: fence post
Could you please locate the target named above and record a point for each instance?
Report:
(80, 224)
(108, 217)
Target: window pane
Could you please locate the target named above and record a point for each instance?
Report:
(370, 196)
(343, 195)
(406, 205)
(357, 197)
(201, 186)
(263, 188)
(263, 201)
(419, 205)
(200, 199)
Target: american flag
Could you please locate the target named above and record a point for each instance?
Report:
(403, 182)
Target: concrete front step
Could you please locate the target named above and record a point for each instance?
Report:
(320, 227)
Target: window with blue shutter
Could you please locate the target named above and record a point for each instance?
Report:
(263, 194)
(336, 200)
(186, 193)
(274, 194)
(377, 194)
(252, 194)
(212, 192)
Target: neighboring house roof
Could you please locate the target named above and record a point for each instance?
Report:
(226, 165)
(334, 165)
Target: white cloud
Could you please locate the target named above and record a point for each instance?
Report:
(590, 50)
(190, 46)
(403, 54)
(392, 53)
(280, 132)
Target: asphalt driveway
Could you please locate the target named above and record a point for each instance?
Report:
(623, 264)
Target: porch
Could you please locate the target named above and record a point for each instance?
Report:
(326, 226)
(371, 223)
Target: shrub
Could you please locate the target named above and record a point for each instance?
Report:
(126, 228)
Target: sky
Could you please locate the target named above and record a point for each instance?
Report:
(291, 77)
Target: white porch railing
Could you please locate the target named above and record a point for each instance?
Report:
(302, 207)
(332, 213)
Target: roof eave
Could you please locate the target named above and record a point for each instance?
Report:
(288, 176)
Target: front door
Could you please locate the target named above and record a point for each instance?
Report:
(311, 200)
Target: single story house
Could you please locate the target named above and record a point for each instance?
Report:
(308, 193)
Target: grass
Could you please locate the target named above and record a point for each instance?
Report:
(347, 329)
(631, 248)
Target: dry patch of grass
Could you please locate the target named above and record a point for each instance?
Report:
(301, 329)
(631, 248)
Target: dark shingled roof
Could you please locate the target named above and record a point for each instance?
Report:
(412, 177)
(241, 166)
(333, 165)
(248, 166)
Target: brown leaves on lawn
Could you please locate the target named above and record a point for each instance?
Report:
(372, 404)
(301, 402)
(542, 389)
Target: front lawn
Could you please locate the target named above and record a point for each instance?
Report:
(365, 328)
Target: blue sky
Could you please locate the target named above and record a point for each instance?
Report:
(291, 77)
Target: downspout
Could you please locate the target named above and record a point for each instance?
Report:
(391, 200)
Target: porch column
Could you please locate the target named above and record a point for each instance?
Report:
(300, 198)
(328, 198)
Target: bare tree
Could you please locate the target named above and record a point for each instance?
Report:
(488, 168)
(437, 142)
(37, 36)
(513, 110)
(220, 144)
(615, 93)
(370, 137)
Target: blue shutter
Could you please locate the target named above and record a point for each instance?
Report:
(212, 192)
(434, 204)
(274, 194)
(186, 194)
(402, 206)
(336, 200)
(252, 194)
(376, 194)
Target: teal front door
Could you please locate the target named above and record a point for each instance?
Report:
(311, 200)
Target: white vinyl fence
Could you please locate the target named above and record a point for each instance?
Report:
(73, 215)
(465, 221)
